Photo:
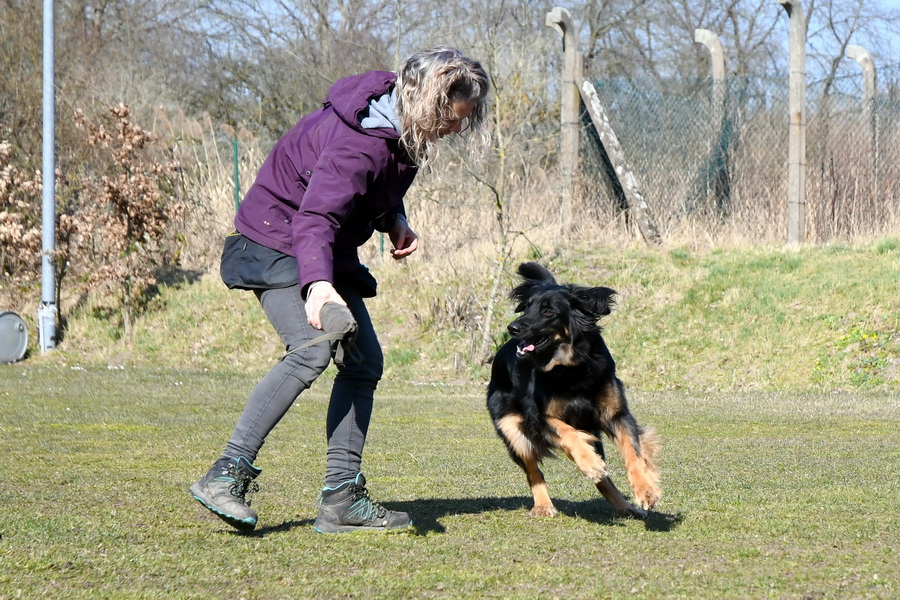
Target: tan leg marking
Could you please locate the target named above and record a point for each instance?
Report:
(609, 402)
(578, 446)
(543, 506)
(643, 474)
(511, 428)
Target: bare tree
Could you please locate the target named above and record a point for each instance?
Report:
(834, 25)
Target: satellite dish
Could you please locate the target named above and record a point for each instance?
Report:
(13, 337)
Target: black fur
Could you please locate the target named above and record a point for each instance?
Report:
(554, 386)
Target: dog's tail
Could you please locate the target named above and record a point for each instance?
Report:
(536, 272)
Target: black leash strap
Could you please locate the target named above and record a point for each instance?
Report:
(325, 337)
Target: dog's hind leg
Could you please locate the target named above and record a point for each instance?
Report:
(612, 493)
(618, 501)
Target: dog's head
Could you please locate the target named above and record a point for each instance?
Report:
(554, 317)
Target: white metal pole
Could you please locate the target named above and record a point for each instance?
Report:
(47, 311)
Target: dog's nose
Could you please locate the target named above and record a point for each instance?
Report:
(513, 329)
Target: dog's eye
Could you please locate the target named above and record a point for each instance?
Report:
(547, 312)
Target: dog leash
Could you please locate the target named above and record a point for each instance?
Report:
(325, 337)
(339, 354)
(339, 326)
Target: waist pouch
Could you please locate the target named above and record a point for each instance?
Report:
(247, 265)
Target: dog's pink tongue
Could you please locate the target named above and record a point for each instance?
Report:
(528, 348)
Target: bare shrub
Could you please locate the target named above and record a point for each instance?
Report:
(122, 230)
(20, 227)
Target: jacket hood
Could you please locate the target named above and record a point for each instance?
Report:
(349, 97)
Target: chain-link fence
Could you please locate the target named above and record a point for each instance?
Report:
(705, 150)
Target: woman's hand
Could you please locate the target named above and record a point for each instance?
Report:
(403, 238)
(319, 293)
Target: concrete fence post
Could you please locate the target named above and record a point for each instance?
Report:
(862, 56)
(623, 173)
(796, 202)
(560, 20)
(717, 59)
(716, 175)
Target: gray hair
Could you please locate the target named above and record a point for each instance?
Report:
(428, 84)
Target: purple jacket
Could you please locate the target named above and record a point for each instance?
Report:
(326, 183)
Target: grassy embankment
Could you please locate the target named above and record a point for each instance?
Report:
(814, 318)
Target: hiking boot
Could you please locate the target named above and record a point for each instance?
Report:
(224, 488)
(348, 507)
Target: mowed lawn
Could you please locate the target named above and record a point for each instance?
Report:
(766, 495)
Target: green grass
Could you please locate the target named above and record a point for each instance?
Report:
(772, 376)
(767, 495)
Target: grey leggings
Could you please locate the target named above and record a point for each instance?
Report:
(352, 395)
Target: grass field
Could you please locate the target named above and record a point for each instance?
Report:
(766, 495)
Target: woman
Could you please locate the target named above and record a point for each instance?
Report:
(339, 175)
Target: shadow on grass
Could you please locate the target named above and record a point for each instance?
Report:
(427, 513)
(282, 528)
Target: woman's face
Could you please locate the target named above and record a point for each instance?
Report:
(461, 110)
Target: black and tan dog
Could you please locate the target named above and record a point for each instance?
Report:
(554, 387)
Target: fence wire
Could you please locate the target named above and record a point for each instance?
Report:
(718, 151)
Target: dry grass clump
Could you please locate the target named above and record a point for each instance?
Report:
(206, 151)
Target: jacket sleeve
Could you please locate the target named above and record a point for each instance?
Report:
(385, 220)
(340, 178)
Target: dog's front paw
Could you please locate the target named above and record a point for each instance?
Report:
(543, 511)
(645, 483)
(596, 472)
(648, 497)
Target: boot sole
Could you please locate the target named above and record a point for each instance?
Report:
(240, 524)
(331, 528)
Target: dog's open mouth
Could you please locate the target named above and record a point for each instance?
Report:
(527, 347)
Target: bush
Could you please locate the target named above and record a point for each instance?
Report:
(115, 215)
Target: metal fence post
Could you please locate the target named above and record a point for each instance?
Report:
(48, 310)
(797, 124)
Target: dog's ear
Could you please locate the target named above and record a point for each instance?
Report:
(535, 276)
(536, 272)
(596, 301)
(522, 292)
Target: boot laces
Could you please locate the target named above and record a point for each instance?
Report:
(360, 493)
(242, 485)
